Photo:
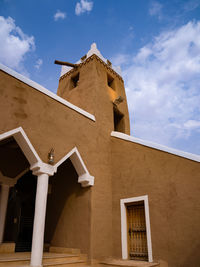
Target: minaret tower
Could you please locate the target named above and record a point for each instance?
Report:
(97, 87)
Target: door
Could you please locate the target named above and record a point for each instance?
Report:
(137, 239)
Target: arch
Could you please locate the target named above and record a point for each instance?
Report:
(83, 174)
(33, 158)
(24, 143)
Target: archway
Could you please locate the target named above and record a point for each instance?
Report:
(15, 142)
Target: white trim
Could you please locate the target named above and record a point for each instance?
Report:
(84, 177)
(123, 203)
(24, 143)
(93, 51)
(173, 151)
(43, 90)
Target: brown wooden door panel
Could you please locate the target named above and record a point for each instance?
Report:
(137, 240)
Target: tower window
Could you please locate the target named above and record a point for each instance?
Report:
(110, 82)
(119, 125)
(75, 80)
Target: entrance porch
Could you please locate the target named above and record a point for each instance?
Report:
(24, 181)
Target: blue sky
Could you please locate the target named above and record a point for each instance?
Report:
(156, 44)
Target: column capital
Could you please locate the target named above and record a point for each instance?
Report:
(7, 180)
(43, 168)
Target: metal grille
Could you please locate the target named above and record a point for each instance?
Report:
(137, 239)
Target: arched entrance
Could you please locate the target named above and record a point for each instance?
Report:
(17, 151)
(20, 212)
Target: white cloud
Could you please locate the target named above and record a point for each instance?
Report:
(39, 63)
(163, 87)
(14, 44)
(192, 124)
(191, 5)
(155, 9)
(59, 15)
(120, 59)
(83, 6)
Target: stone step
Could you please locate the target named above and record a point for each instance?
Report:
(8, 247)
(64, 250)
(128, 263)
(77, 263)
(49, 259)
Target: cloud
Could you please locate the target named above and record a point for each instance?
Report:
(59, 15)
(163, 87)
(14, 44)
(156, 9)
(39, 63)
(83, 6)
(191, 5)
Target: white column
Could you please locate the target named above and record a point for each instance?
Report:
(43, 171)
(3, 208)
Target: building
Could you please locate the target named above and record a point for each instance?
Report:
(70, 158)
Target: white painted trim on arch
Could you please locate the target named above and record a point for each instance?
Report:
(173, 151)
(124, 231)
(24, 143)
(84, 177)
(43, 90)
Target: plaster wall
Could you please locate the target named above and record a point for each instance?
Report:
(95, 96)
(48, 124)
(93, 93)
(68, 210)
(172, 185)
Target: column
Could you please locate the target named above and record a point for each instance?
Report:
(43, 171)
(3, 208)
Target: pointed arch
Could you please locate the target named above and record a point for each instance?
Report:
(24, 143)
(83, 174)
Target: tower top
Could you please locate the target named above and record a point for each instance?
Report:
(93, 50)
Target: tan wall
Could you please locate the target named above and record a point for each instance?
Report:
(48, 124)
(94, 95)
(68, 210)
(172, 185)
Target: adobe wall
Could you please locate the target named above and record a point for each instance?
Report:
(48, 124)
(68, 210)
(172, 184)
(93, 94)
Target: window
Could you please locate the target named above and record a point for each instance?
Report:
(75, 80)
(110, 82)
(119, 125)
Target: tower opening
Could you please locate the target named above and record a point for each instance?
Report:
(75, 80)
(119, 125)
(110, 81)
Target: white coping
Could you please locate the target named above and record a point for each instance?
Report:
(24, 143)
(124, 231)
(84, 177)
(38, 166)
(173, 151)
(43, 90)
(93, 50)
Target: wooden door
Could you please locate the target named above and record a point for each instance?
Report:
(137, 240)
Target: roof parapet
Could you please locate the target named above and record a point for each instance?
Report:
(93, 51)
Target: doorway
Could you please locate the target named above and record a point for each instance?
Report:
(135, 229)
(137, 239)
(20, 212)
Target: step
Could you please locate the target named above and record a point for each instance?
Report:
(128, 263)
(69, 263)
(64, 250)
(8, 247)
(49, 259)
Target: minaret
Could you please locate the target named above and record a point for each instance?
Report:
(97, 87)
